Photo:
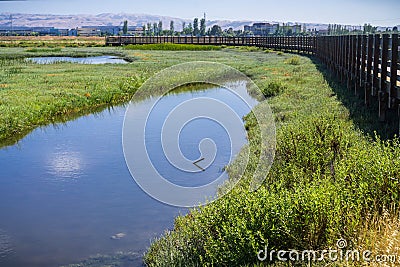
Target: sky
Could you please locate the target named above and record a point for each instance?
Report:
(354, 12)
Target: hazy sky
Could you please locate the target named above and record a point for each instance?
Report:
(356, 12)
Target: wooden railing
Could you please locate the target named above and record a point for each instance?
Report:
(299, 44)
(367, 64)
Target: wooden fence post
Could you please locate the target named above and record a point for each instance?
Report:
(375, 81)
(350, 75)
(394, 56)
(369, 77)
(363, 59)
(342, 57)
(382, 93)
(357, 66)
(336, 59)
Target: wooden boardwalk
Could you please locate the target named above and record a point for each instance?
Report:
(367, 64)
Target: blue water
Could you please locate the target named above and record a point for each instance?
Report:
(65, 189)
(80, 60)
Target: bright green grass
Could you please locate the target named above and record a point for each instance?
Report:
(51, 41)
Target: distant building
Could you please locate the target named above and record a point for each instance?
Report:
(26, 31)
(7, 30)
(296, 29)
(106, 30)
(73, 32)
(88, 31)
(247, 28)
(53, 32)
(63, 32)
(135, 30)
(261, 29)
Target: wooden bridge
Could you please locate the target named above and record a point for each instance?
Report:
(367, 64)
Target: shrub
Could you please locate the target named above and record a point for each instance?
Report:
(295, 60)
(320, 187)
(272, 88)
(249, 48)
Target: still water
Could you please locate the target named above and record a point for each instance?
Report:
(65, 190)
(80, 60)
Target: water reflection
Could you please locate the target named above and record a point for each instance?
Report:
(65, 164)
(5, 246)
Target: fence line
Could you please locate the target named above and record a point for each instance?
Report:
(367, 64)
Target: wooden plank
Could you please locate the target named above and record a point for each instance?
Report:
(350, 61)
(347, 58)
(337, 55)
(369, 76)
(358, 65)
(363, 62)
(394, 55)
(344, 58)
(375, 66)
(340, 57)
(350, 74)
(382, 94)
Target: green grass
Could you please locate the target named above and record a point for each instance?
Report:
(43, 50)
(249, 48)
(328, 177)
(51, 41)
(173, 47)
(295, 60)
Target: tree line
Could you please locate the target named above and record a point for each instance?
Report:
(337, 29)
(198, 28)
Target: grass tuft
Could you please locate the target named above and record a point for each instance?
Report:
(272, 88)
(43, 50)
(295, 60)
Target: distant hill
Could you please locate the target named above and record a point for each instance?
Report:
(105, 19)
(73, 21)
